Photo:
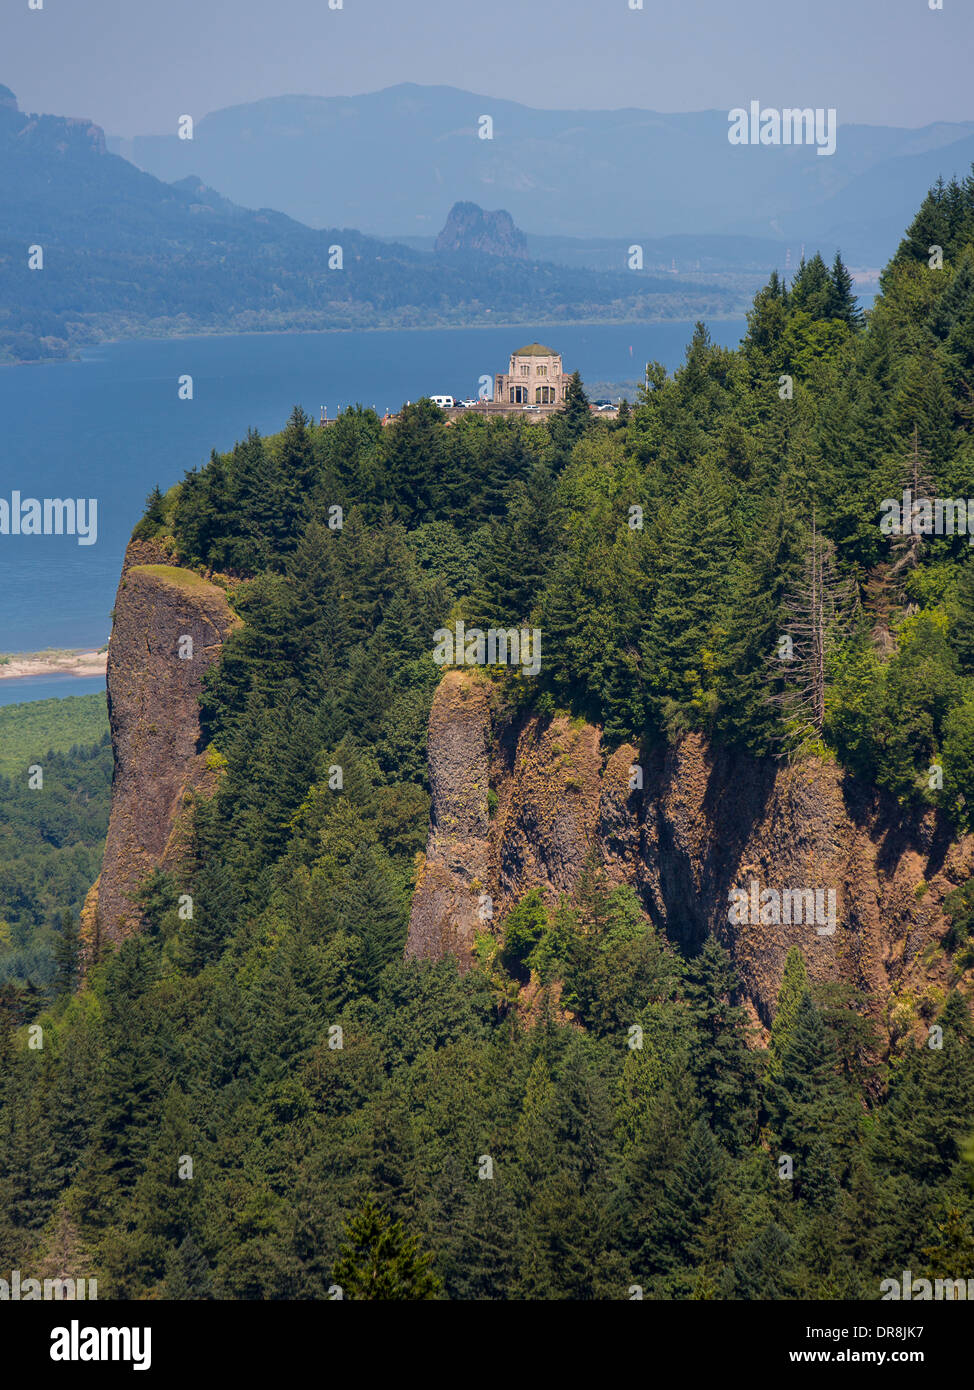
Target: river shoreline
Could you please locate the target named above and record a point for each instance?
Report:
(81, 662)
(88, 351)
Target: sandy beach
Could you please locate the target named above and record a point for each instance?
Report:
(61, 663)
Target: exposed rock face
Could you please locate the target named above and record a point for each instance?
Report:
(154, 713)
(701, 824)
(470, 228)
(548, 809)
(709, 823)
(447, 902)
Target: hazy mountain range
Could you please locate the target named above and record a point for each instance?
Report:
(393, 163)
(157, 250)
(126, 254)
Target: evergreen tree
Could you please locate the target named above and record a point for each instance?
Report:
(813, 289)
(794, 986)
(379, 1260)
(764, 1268)
(962, 619)
(684, 632)
(752, 674)
(165, 1194)
(576, 413)
(67, 955)
(951, 1249)
(216, 907)
(843, 303)
(188, 1275)
(721, 1061)
(153, 518)
(519, 552)
(415, 458)
(686, 1204)
(812, 1112)
(372, 906)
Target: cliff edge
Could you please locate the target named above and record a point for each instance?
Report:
(169, 627)
(449, 902)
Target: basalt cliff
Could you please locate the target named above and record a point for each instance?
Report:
(684, 826)
(169, 627)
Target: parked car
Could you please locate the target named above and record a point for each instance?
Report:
(467, 404)
(444, 402)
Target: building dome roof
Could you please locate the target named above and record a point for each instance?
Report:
(535, 350)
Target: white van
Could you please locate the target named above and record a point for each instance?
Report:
(445, 402)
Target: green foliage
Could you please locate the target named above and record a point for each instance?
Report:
(30, 731)
(153, 521)
(794, 985)
(380, 1261)
(138, 256)
(409, 1130)
(523, 927)
(959, 907)
(51, 836)
(67, 954)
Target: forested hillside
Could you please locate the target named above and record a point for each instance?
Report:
(35, 727)
(91, 248)
(55, 786)
(713, 561)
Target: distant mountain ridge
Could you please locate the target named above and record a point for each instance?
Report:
(126, 254)
(393, 162)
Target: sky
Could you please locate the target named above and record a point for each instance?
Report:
(130, 65)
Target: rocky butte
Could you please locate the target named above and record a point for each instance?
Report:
(469, 228)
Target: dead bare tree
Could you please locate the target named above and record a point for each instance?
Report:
(917, 519)
(884, 587)
(818, 609)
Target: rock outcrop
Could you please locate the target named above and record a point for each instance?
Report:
(449, 899)
(469, 228)
(161, 611)
(684, 827)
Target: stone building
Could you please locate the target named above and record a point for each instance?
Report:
(535, 377)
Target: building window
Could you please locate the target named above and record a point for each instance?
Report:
(519, 395)
(543, 370)
(525, 368)
(544, 395)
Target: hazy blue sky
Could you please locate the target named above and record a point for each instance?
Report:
(131, 64)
